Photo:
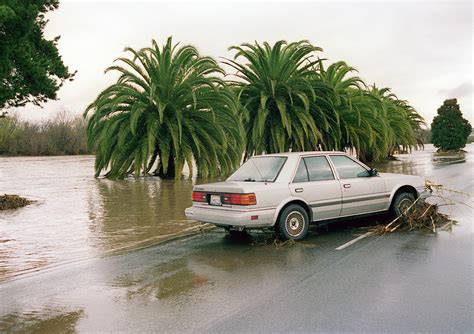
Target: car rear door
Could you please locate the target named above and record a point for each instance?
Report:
(315, 181)
(361, 193)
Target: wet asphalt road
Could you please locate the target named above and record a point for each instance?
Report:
(403, 282)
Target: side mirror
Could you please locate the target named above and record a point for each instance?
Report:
(373, 172)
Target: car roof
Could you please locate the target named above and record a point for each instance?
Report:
(288, 154)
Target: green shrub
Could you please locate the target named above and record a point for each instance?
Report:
(449, 129)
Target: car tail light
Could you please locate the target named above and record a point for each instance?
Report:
(240, 199)
(199, 196)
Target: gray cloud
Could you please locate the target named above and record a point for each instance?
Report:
(463, 90)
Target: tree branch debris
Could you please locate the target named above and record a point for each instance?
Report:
(422, 215)
(8, 202)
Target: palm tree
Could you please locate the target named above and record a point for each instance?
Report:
(402, 119)
(168, 107)
(277, 97)
(358, 126)
(372, 122)
(415, 119)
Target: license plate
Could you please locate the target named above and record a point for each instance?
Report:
(215, 200)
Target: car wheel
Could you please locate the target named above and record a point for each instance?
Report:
(401, 203)
(293, 223)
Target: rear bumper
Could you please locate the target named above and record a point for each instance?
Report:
(230, 218)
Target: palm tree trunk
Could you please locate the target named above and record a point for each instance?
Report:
(153, 159)
(366, 156)
(170, 173)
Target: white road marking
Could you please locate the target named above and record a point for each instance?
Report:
(353, 241)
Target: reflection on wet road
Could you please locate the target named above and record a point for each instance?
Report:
(55, 321)
(208, 282)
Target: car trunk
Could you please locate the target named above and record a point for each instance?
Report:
(225, 195)
(224, 187)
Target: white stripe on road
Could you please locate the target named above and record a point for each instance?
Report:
(353, 241)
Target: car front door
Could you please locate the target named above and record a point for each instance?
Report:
(361, 193)
(316, 183)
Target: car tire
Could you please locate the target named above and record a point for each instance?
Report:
(401, 202)
(293, 223)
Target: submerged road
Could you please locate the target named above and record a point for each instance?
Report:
(402, 282)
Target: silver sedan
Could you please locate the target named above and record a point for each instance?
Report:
(289, 191)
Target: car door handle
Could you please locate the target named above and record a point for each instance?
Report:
(347, 185)
(299, 190)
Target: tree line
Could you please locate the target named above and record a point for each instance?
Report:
(64, 134)
(171, 106)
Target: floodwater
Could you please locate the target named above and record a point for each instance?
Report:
(89, 255)
(77, 216)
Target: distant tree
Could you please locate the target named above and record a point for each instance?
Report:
(31, 69)
(449, 129)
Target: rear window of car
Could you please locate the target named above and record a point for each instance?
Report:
(259, 169)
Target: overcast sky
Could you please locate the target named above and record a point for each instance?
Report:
(422, 50)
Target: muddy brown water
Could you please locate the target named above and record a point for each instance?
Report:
(76, 216)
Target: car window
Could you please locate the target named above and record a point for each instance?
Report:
(347, 168)
(259, 169)
(318, 169)
(301, 173)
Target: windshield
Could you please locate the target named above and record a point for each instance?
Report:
(259, 169)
